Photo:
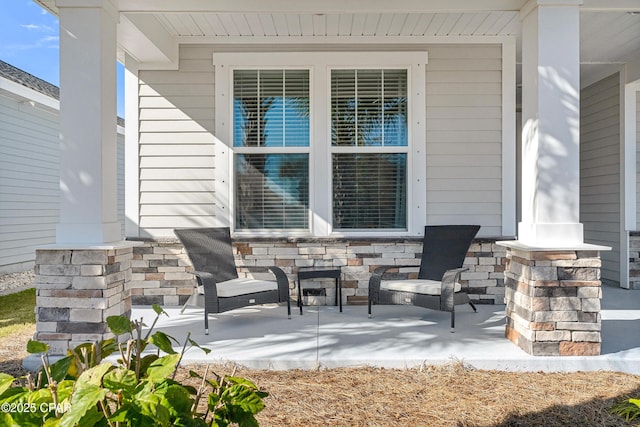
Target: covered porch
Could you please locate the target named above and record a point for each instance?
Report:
(474, 74)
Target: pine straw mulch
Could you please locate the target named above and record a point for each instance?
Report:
(449, 395)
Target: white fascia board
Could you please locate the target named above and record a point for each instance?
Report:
(633, 71)
(325, 6)
(324, 41)
(27, 95)
(146, 40)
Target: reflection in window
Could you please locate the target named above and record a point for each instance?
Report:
(271, 108)
(272, 191)
(369, 109)
(369, 191)
(271, 112)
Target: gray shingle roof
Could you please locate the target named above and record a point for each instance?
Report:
(25, 79)
(32, 82)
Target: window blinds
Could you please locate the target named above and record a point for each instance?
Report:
(271, 111)
(369, 109)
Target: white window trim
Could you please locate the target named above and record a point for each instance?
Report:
(320, 64)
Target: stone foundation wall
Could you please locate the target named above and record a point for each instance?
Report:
(553, 302)
(76, 290)
(160, 269)
(634, 260)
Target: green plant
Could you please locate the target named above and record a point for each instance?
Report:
(139, 390)
(629, 409)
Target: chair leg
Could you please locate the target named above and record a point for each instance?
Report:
(206, 321)
(192, 297)
(453, 321)
(473, 306)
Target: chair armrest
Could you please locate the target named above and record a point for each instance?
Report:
(448, 284)
(208, 283)
(283, 282)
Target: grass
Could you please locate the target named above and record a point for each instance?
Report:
(18, 314)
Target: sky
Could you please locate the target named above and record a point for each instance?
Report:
(29, 40)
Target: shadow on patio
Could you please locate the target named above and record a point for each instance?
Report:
(396, 337)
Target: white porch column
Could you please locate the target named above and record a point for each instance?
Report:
(551, 124)
(88, 172)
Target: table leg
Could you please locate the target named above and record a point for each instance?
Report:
(300, 296)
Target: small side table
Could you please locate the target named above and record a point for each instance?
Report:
(320, 273)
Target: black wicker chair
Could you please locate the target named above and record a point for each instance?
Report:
(211, 254)
(443, 253)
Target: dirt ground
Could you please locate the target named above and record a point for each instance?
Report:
(451, 395)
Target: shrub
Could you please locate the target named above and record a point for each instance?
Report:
(629, 409)
(139, 390)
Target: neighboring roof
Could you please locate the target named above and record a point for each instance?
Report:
(28, 80)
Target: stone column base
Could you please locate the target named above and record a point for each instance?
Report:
(553, 300)
(77, 289)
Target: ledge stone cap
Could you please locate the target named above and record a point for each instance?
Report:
(123, 244)
(516, 244)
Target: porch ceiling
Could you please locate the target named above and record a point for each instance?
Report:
(225, 25)
(608, 38)
(152, 31)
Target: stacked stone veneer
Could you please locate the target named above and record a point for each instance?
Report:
(77, 289)
(553, 302)
(161, 269)
(634, 260)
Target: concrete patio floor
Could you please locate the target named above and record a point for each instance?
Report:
(396, 337)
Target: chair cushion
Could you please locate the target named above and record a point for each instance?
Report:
(242, 286)
(416, 286)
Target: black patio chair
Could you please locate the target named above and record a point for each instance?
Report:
(437, 287)
(211, 254)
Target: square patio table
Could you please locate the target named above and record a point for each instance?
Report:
(320, 273)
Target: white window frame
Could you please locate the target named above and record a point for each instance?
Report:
(320, 65)
(263, 150)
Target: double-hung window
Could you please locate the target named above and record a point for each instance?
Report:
(271, 120)
(321, 143)
(369, 141)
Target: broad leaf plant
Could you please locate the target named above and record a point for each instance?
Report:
(140, 389)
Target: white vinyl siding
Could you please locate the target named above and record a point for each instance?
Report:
(29, 180)
(464, 136)
(121, 179)
(177, 145)
(600, 170)
(637, 160)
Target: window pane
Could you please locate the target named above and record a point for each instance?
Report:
(369, 191)
(271, 108)
(369, 108)
(343, 104)
(272, 191)
(395, 107)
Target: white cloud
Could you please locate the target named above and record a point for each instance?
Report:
(50, 39)
(40, 28)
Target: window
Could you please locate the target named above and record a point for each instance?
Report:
(270, 117)
(369, 113)
(321, 143)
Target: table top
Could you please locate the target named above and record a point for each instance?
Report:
(319, 272)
